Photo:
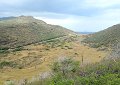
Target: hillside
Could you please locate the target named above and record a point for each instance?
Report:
(107, 37)
(24, 30)
(32, 59)
(36, 59)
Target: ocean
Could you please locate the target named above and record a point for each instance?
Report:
(86, 32)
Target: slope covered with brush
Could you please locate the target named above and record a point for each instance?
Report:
(107, 37)
(23, 30)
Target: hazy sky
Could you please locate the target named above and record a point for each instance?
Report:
(77, 15)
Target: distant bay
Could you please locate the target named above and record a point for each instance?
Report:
(86, 32)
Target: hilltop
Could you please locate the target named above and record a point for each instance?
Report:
(108, 37)
(36, 46)
(24, 30)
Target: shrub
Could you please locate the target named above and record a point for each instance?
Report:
(65, 67)
(68, 72)
(7, 63)
(9, 83)
(4, 50)
(19, 48)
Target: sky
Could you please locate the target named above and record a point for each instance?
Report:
(77, 15)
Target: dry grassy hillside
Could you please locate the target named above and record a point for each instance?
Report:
(29, 46)
(36, 59)
(108, 37)
(24, 30)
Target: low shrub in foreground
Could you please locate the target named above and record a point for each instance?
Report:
(69, 72)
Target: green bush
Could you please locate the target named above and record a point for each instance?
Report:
(68, 72)
(65, 67)
(9, 83)
(19, 48)
(7, 63)
(4, 50)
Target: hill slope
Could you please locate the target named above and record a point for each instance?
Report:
(25, 30)
(107, 37)
(6, 18)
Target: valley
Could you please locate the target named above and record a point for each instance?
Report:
(36, 59)
(33, 52)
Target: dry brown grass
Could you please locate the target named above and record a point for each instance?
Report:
(77, 50)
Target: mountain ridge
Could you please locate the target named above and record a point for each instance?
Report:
(25, 30)
(108, 37)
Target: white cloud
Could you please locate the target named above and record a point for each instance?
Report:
(107, 16)
(12, 2)
(57, 21)
(84, 23)
(101, 3)
(77, 23)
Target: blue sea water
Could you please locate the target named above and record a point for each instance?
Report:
(86, 32)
